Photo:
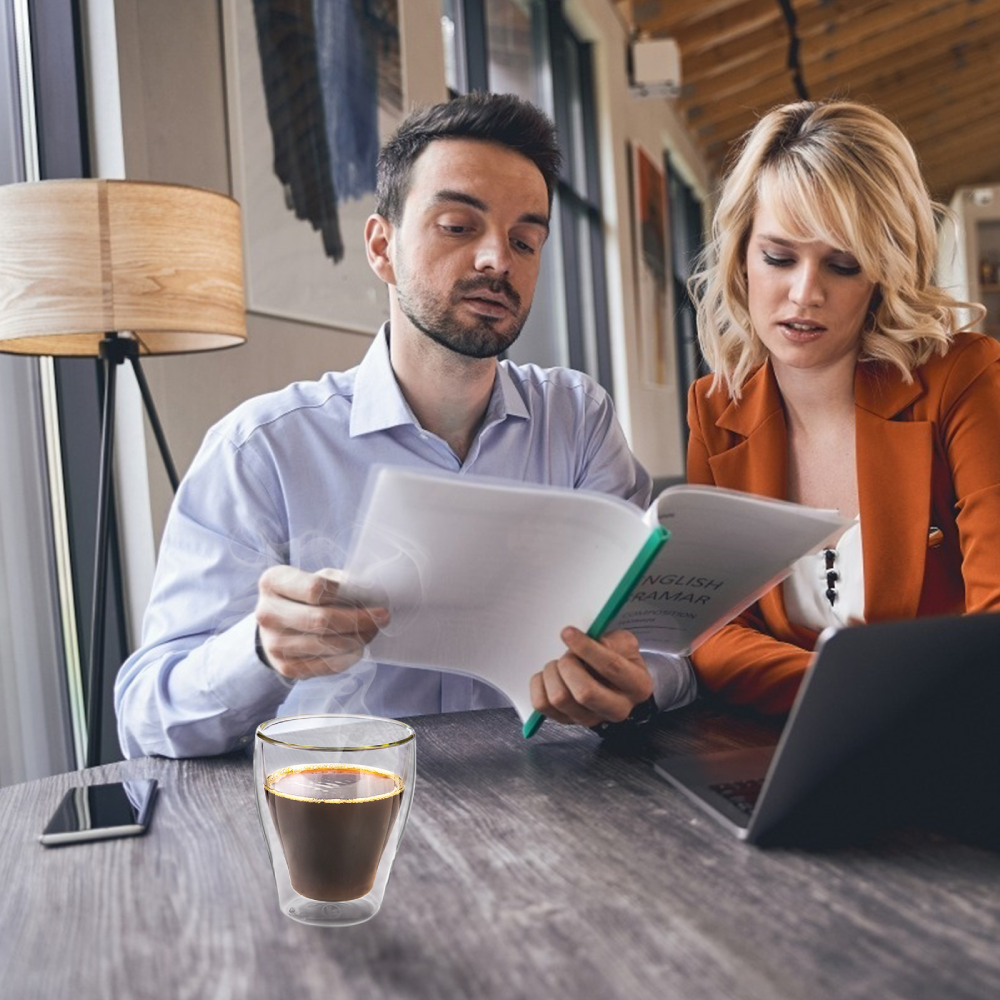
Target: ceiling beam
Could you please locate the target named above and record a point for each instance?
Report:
(663, 18)
(931, 65)
(932, 61)
(932, 123)
(738, 90)
(967, 173)
(943, 135)
(831, 72)
(967, 20)
(737, 20)
(933, 112)
(982, 167)
(950, 48)
(936, 139)
(928, 88)
(816, 31)
(982, 142)
(817, 20)
(876, 36)
(931, 55)
(771, 40)
(696, 97)
(943, 178)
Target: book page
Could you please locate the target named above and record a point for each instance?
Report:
(726, 549)
(481, 576)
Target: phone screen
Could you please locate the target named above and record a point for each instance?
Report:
(94, 812)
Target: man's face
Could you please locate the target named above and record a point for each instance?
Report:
(466, 252)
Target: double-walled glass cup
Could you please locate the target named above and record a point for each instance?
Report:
(333, 794)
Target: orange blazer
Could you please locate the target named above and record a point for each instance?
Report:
(928, 458)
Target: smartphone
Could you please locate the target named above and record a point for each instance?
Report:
(97, 812)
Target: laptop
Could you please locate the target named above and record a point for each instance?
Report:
(888, 725)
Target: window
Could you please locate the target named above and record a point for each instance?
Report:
(49, 421)
(685, 214)
(35, 732)
(527, 47)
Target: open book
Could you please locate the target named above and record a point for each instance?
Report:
(481, 575)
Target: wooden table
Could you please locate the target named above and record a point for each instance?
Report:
(556, 868)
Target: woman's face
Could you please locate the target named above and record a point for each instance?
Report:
(808, 300)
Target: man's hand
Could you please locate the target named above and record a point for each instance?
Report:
(306, 629)
(593, 681)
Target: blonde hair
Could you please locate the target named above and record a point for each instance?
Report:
(842, 173)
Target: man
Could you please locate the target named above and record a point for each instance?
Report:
(245, 622)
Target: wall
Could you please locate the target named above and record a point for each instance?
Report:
(173, 113)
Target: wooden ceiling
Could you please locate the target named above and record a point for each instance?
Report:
(932, 65)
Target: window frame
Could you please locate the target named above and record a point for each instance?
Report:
(686, 221)
(588, 350)
(52, 92)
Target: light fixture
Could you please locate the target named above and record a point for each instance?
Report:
(116, 270)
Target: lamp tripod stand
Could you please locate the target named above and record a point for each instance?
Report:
(160, 265)
(113, 351)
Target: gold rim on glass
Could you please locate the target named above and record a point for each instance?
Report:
(261, 735)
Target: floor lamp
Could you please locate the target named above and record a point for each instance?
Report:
(115, 270)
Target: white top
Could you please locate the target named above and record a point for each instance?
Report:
(805, 589)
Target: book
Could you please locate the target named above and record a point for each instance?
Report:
(481, 575)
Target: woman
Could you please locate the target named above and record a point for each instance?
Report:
(842, 380)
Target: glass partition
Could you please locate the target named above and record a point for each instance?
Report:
(35, 733)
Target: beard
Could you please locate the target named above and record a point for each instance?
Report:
(437, 316)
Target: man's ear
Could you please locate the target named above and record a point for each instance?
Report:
(378, 236)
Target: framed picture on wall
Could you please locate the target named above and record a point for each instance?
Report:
(650, 214)
(312, 90)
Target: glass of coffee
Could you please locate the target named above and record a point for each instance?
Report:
(333, 794)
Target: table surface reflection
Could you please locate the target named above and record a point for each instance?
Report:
(555, 868)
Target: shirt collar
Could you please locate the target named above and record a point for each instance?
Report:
(505, 401)
(379, 403)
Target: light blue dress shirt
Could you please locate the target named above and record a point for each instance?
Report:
(280, 481)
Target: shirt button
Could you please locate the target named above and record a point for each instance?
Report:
(423, 436)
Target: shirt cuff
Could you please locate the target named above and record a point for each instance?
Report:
(238, 676)
(674, 681)
(674, 685)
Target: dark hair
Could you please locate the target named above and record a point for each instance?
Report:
(501, 118)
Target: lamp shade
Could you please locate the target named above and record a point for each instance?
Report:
(83, 258)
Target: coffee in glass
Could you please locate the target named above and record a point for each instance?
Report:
(333, 821)
(333, 794)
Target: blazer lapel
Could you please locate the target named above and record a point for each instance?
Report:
(894, 483)
(759, 464)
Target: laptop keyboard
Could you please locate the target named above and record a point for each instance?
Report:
(742, 794)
